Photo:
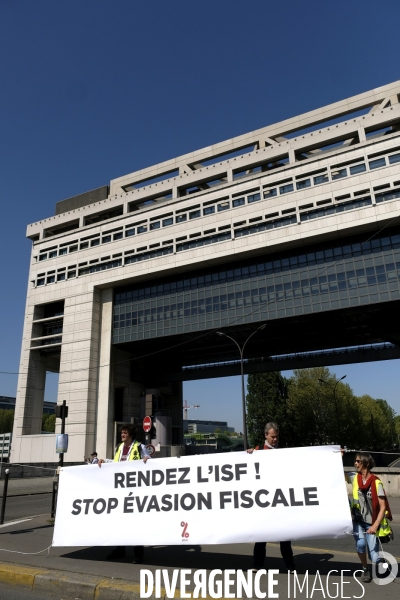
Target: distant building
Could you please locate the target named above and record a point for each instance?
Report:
(209, 443)
(196, 426)
(8, 403)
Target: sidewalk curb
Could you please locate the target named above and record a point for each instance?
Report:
(75, 585)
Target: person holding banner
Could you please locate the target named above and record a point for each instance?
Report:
(129, 449)
(271, 431)
(370, 512)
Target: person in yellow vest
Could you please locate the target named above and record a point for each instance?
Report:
(370, 511)
(129, 449)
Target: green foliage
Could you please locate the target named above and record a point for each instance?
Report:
(49, 423)
(217, 430)
(314, 408)
(6, 420)
(267, 401)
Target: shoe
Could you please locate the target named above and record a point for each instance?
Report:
(366, 576)
(118, 552)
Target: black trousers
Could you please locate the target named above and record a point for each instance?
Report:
(260, 551)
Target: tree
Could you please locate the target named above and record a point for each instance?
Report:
(49, 423)
(266, 400)
(6, 420)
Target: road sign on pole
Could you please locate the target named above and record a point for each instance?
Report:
(147, 424)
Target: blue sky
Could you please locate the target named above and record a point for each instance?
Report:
(93, 90)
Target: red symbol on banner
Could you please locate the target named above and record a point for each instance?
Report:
(147, 424)
(185, 526)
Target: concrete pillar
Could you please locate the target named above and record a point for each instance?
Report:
(105, 408)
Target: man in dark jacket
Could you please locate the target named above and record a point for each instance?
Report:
(271, 431)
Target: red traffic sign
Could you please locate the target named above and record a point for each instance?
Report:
(150, 449)
(146, 424)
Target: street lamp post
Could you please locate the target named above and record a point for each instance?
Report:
(335, 403)
(241, 351)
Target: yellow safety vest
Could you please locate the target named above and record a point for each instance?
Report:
(384, 527)
(134, 452)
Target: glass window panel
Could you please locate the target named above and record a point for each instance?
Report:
(42, 257)
(358, 169)
(270, 193)
(285, 189)
(395, 158)
(118, 236)
(194, 214)
(305, 183)
(339, 173)
(222, 206)
(321, 179)
(53, 254)
(142, 229)
(379, 162)
(62, 251)
(130, 232)
(60, 276)
(180, 218)
(254, 198)
(155, 225)
(209, 210)
(237, 202)
(94, 242)
(167, 222)
(106, 239)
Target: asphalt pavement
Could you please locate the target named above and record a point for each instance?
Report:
(86, 572)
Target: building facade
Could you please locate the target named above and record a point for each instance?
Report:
(294, 225)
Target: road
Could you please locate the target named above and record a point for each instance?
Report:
(18, 507)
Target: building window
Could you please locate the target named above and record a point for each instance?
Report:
(42, 257)
(358, 169)
(40, 281)
(118, 236)
(53, 254)
(71, 274)
(395, 158)
(270, 193)
(51, 279)
(305, 183)
(194, 214)
(375, 164)
(254, 198)
(130, 232)
(60, 276)
(339, 173)
(209, 210)
(321, 179)
(237, 202)
(155, 225)
(106, 239)
(73, 248)
(84, 245)
(222, 206)
(167, 222)
(95, 242)
(285, 189)
(62, 251)
(142, 229)
(180, 218)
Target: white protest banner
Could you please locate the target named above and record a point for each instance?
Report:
(274, 495)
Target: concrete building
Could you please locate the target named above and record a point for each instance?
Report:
(8, 403)
(295, 225)
(197, 426)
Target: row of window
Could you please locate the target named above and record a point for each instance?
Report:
(277, 266)
(300, 288)
(214, 206)
(335, 173)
